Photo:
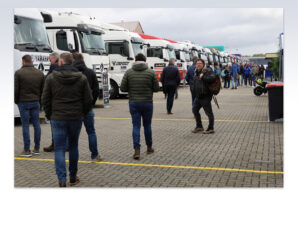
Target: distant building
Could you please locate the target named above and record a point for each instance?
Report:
(134, 26)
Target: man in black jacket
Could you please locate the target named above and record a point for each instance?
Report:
(66, 99)
(170, 79)
(89, 119)
(28, 88)
(203, 96)
(54, 57)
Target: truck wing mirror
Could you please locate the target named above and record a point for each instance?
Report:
(46, 17)
(17, 20)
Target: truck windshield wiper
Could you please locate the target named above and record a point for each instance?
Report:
(27, 45)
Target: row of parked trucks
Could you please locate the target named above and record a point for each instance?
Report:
(105, 47)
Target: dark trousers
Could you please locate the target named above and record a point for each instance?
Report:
(170, 91)
(204, 102)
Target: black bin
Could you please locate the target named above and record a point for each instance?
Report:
(275, 100)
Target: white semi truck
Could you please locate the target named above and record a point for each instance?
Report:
(30, 37)
(122, 47)
(69, 32)
(159, 52)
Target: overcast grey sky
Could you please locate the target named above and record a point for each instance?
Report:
(240, 30)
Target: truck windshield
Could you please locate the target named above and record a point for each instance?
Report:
(204, 57)
(30, 34)
(187, 57)
(216, 58)
(154, 52)
(137, 48)
(221, 60)
(171, 53)
(195, 53)
(210, 57)
(92, 41)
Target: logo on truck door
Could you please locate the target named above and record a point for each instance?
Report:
(160, 65)
(119, 63)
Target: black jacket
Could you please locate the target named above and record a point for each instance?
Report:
(91, 76)
(200, 87)
(170, 76)
(28, 84)
(53, 67)
(66, 94)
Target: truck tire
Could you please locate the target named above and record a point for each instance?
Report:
(114, 91)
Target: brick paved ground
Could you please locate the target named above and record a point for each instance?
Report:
(244, 139)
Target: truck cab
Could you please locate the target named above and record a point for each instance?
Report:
(30, 37)
(69, 32)
(122, 47)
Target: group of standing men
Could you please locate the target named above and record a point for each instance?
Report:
(70, 90)
(67, 95)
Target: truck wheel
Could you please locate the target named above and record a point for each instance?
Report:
(258, 91)
(114, 91)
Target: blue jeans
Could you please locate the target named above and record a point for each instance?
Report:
(27, 110)
(61, 131)
(89, 125)
(140, 110)
(234, 82)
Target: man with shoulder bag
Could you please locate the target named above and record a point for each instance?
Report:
(203, 96)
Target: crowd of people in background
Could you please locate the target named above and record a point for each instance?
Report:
(235, 75)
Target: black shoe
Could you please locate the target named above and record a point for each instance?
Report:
(62, 184)
(49, 148)
(74, 181)
(150, 150)
(208, 131)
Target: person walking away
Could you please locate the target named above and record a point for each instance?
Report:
(28, 86)
(246, 75)
(226, 76)
(66, 99)
(203, 77)
(253, 73)
(88, 120)
(242, 74)
(140, 82)
(170, 79)
(54, 57)
(234, 72)
(190, 75)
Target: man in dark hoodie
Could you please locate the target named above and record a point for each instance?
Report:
(66, 99)
(89, 119)
(170, 79)
(203, 96)
(140, 82)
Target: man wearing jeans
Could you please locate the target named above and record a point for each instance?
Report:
(140, 82)
(66, 99)
(89, 119)
(28, 89)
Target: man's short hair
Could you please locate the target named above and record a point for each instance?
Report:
(194, 59)
(54, 54)
(27, 59)
(66, 58)
(201, 60)
(140, 57)
(172, 60)
(77, 56)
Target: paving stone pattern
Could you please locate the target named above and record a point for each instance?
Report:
(243, 139)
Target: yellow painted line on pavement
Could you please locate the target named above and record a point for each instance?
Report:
(160, 166)
(176, 119)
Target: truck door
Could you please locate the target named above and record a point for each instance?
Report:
(119, 55)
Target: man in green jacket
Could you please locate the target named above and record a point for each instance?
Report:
(140, 82)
